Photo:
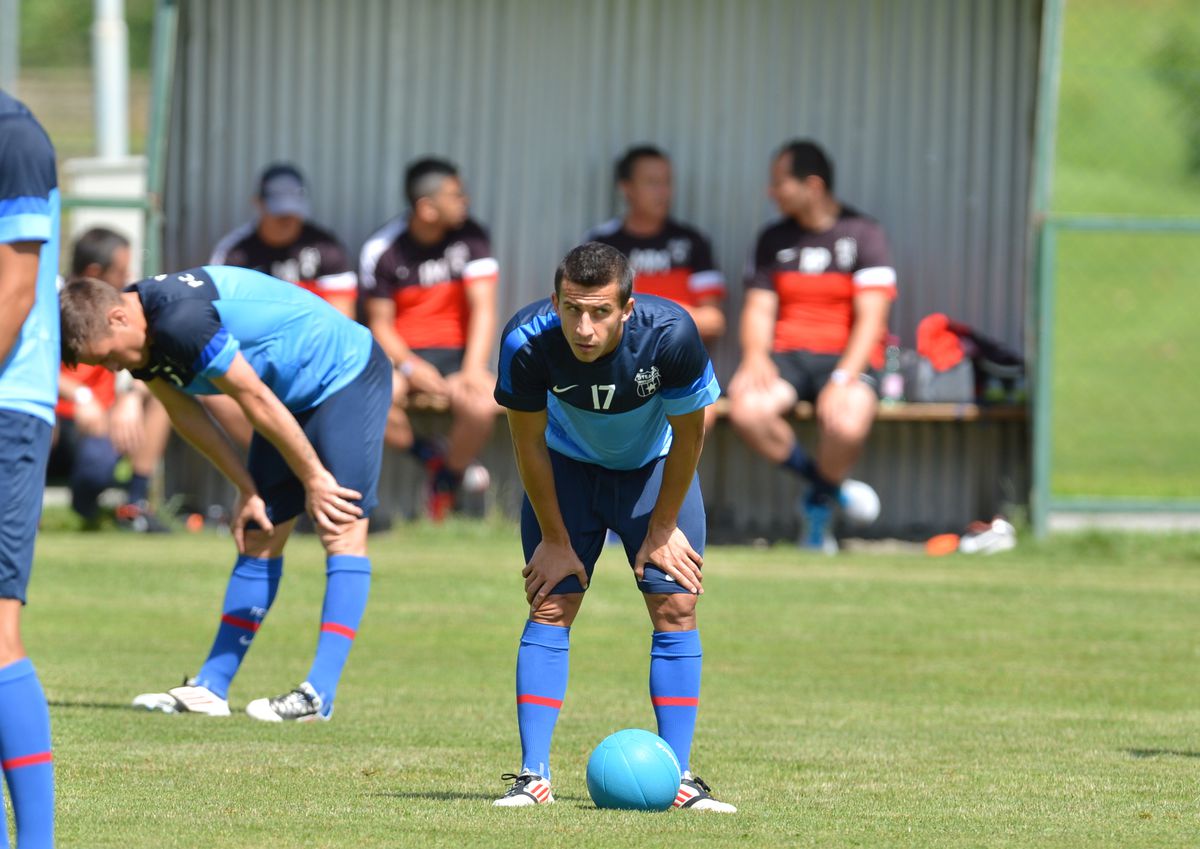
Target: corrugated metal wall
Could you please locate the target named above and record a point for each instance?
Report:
(926, 106)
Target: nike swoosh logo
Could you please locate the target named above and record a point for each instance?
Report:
(245, 640)
(565, 388)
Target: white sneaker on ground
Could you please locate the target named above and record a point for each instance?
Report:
(859, 501)
(988, 537)
(186, 698)
(527, 789)
(695, 795)
(300, 705)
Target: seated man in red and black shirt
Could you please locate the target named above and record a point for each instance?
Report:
(429, 287)
(669, 258)
(814, 320)
(284, 243)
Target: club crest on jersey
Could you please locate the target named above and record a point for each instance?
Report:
(647, 381)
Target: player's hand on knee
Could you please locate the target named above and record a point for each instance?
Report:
(424, 377)
(670, 551)
(249, 508)
(550, 564)
(330, 503)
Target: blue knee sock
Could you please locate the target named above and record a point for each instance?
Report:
(803, 465)
(675, 660)
(541, 687)
(251, 590)
(25, 755)
(347, 583)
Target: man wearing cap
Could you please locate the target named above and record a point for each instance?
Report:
(429, 282)
(285, 244)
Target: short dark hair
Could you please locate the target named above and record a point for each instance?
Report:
(809, 160)
(425, 176)
(96, 246)
(593, 265)
(83, 307)
(623, 171)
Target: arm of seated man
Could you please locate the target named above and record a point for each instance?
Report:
(554, 558)
(871, 310)
(420, 375)
(327, 501)
(665, 545)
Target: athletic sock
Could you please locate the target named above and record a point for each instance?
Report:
(423, 449)
(800, 463)
(251, 590)
(25, 755)
(541, 687)
(138, 489)
(347, 584)
(446, 479)
(675, 661)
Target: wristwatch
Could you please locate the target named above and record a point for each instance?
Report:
(83, 395)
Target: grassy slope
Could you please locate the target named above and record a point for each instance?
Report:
(1124, 336)
(1045, 698)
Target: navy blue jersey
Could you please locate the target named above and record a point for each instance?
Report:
(302, 348)
(611, 412)
(29, 212)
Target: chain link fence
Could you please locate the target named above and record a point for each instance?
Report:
(1120, 270)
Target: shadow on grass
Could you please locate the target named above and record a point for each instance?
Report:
(1154, 753)
(451, 796)
(95, 706)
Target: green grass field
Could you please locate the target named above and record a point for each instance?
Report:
(1044, 698)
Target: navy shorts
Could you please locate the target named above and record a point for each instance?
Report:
(24, 447)
(808, 372)
(446, 360)
(594, 499)
(346, 429)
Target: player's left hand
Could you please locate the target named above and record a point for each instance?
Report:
(329, 503)
(669, 550)
(471, 384)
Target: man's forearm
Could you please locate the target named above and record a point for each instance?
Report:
(274, 421)
(678, 471)
(18, 290)
(193, 424)
(537, 476)
(480, 329)
(757, 331)
(389, 340)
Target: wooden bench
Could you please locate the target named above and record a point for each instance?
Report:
(936, 468)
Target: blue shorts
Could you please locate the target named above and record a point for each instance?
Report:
(346, 429)
(24, 447)
(594, 499)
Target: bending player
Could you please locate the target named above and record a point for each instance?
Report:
(319, 412)
(606, 402)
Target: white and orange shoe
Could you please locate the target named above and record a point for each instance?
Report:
(527, 789)
(695, 795)
(186, 698)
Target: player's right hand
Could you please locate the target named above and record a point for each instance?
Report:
(249, 508)
(755, 374)
(550, 564)
(425, 377)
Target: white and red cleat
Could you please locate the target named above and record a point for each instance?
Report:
(527, 789)
(695, 795)
(187, 698)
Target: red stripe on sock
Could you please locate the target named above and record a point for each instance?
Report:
(335, 628)
(527, 699)
(27, 760)
(238, 622)
(674, 701)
